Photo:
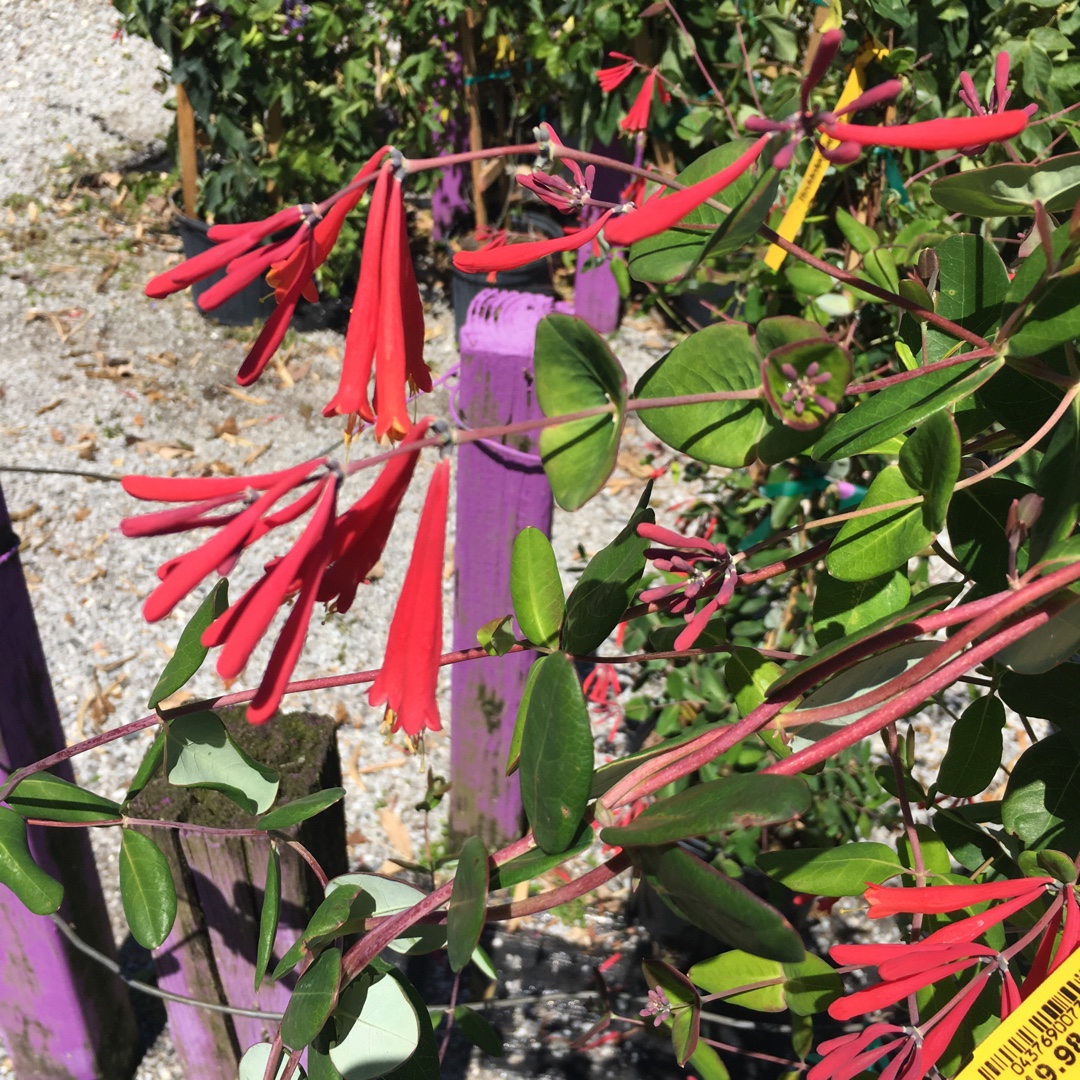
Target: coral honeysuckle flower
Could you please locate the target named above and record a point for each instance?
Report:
(613, 77)
(496, 257)
(409, 677)
(236, 529)
(386, 326)
(360, 534)
(554, 190)
(637, 119)
(938, 899)
(663, 212)
(999, 97)
(926, 135)
(710, 576)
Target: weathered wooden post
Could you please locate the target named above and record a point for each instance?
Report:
(63, 1016)
(211, 951)
(501, 488)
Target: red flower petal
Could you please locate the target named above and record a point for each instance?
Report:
(409, 676)
(613, 77)
(953, 134)
(662, 212)
(886, 900)
(328, 230)
(889, 993)
(970, 928)
(637, 119)
(180, 519)
(511, 256)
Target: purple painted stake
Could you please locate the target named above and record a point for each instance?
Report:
(501, 488)
(62, 1015)
(596, 293)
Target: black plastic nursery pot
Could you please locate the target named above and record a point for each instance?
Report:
(254, 301)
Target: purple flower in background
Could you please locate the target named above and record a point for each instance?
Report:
(296, 15)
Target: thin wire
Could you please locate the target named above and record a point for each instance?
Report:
(61, 472)
(153, 991)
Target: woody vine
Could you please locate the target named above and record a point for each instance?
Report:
(939, 360)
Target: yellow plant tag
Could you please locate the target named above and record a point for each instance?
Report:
(1041, 1039)
(803, 199)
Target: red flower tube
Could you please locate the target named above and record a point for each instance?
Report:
(613, 77)
(511, 256)
(932, 134)
(938, 899)
(408, 680)
(662, 212)
(637, 119)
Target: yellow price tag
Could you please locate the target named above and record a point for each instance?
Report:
(815, 171)
(1041, 1039)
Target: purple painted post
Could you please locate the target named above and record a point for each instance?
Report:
(596, 293)
(501, 488)
(62, 1015)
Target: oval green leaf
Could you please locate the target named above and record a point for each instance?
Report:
(1011, 190)
(308, 806)
(731, 802)
(200, 753)
(313, 1000)
(268, 916)
(867, 547)
(1040, 805)
(51, 799)
(146, 889)
(556, 754)
(465, 915)
(575, 370)
(256, 1058)
(975, 747)
(377, 1028)
(930, 462)
(190, 651)
(842, 608)
(387, 896)
(41, 893)
(536, 588)
(840, 871)
(478, 1031)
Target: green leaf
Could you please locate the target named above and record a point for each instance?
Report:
(720, 357)
(971, 289)
(268, 916)
(976, 520)
(706, 1064)
(930, 462)
(200, 753)
(478, 1031)
(719, 905)
(840, 871)
(387, 896)
(843, 608)
(535, 863)
(1056, 483)
(423, 1063)
(1011, 190)
(308, 806)
(535, 588)
(146, 889)
(811, 986)
(49, 798)
(816, 372)
(495, 637)
(731, 802)
(1050, 696)
(556, 754)
(1040, 801)
(673, 253)
(190, 651)
(253, 1064)
(465, 915)
(736, 968)
(377, 1028)
(313, 1000)
(147, 767)
(41, 893)
(900, 407)
(880, 267)
(575, 370)
(1045, 646)
(327, 922)
(685, 1019)
(748, 676)
(975, 747)
(861, 237)
(867, 547)
(513, 757)
(606, 587)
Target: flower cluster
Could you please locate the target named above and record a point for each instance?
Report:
(554, 190)
(327, 564)
(637, 119)
(999, 98)
(927, 135)
(709, 576)
(904, 969)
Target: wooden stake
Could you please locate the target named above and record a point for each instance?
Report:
(472, 102)
(185, 133)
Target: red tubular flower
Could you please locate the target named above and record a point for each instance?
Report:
(386, 327)
(847, 1056)
(511, 256)
(407, 682)
(360, 534)
(882, 994)
(554, 190)
(182, 574)
(613, 77)
(938, 899)
(999, 97)
(932, 134)
(663, 212)
(637, 119)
